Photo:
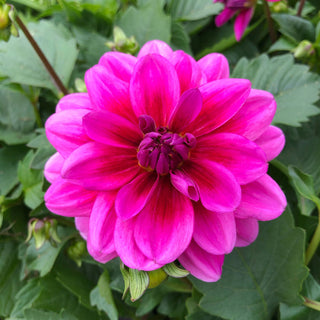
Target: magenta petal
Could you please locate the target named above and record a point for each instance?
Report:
(214, 232)
(82, 225)
(224, 16)
(108, 92)
(215, 66)
(74, 101)
(242, 21)
(186, 111)
(155, 46)
(70, 200)
(127, 248)
(189, 72)
(132, 197)
(218, 188)
(183, 183)
(247, 231)
(254, 117)
(262, 199)
(100, 167)
(111, 129)
(271, 142)
(164, 227)
(119, 64)
(53, 166)
(65, 132)
(221, 101)
(242, 157)
(154, 88)
(202, 264)
(101, 228)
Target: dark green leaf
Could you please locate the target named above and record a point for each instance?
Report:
(35, 314)
(283, 44)
(292, 85)
(179, 38)
(257, 278)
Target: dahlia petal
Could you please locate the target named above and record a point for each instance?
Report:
(184, 184)
(82, 225)
(271, 142)
(221, 101)
(242, 21)
(224, 16)
(107, 92)
(127, 248)
(247, 231)
(155, 46)
(242, 157)
(254, 117)
(53, 166)
(119, 64)
(101, 228)
(132, 197)
(262, 199)
(218, 188)
(111, 129)
(189, 73)
(65, 132)
(186, 111)
(69, 200)
(214, 232)
(202, 264)
(100, 167)
(154, 88)
(74, 101)
(164, 227)
(215, 66)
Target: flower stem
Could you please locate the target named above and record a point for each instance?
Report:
(301, 5)
(313, 245)
(311, 304)
(272, 31)
(56, 80)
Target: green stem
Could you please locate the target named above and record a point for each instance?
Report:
(272, 31)
(37, 113)
(55, 78)
(313, 245)
(311, 304)
(301, 5)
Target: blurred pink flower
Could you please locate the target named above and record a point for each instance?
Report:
(164, 158)
(244, 8)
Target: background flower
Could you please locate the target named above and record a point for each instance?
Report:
(164, 158)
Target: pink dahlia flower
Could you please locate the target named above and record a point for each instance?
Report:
(244, 8)
(164, 158)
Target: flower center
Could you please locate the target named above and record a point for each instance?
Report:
(160, 149)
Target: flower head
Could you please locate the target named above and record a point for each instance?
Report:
(245, 10)
(164, 158)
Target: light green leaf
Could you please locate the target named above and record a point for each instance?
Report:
(21, 64)
(189, 10)
(101, 296)
(292, 85)
(146, 23)
(257, 278)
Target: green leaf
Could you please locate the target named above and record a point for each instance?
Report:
(311, 289)
(35, 314)
(189, 10)
(101, 296)
(31, 181)
(303, 184)
(255, 279)
(173, 271)
(292, 85)
(9, 158)
(173, 305)
(295, 28)
(105, 8)
(9, 276)
(21, 64)
(17, 118)
(283, 44)
(180, 40)
(146, 23)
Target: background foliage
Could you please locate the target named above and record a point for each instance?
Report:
(267, 280)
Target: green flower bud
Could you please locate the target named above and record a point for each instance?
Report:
(156, 277)
(77, 251)
(304, 49)
(279, 7)
(4, 16)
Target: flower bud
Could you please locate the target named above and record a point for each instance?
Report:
(304, 49)
(4, 16)
(77, 251)
(279, 7)
(156, 277)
